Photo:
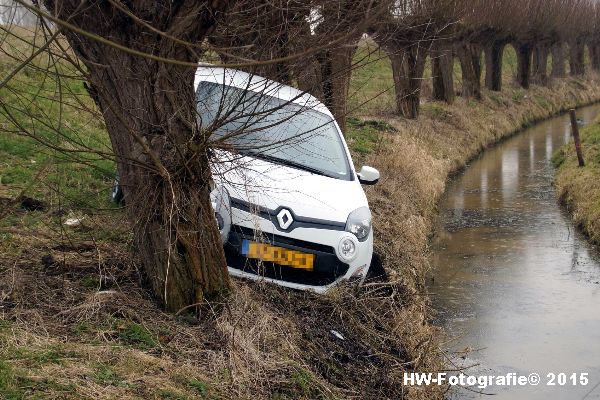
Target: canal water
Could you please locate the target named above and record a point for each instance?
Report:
(514, 284)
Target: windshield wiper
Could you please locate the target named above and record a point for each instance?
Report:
(287, 163)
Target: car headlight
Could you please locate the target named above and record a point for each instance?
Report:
(359, 223)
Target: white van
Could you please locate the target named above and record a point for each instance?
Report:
(289, 203)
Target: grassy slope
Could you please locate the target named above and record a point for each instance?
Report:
(76, 323)
(579, 188)
(83, 327)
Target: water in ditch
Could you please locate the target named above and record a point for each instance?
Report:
(514, 284)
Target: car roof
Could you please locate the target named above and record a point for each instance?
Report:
(258, 84)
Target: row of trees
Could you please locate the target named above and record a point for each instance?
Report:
(475, 32)
(139, 59)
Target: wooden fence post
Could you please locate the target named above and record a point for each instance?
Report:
(576, 137)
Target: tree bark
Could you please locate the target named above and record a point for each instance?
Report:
(442, 70)
(408, 65)
(558, 60)
(594, 49)
(540, 64)
(336, 71)
(577, 57)
(494, 53)
(524, 51)
(469, 55)
(161, 152)
(476, 50)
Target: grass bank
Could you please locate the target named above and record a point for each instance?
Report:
(75, 321)
(579, 187)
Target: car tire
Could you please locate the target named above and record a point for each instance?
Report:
(376, 270)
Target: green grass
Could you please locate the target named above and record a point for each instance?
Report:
(371, 87)
(16, 385)
(579, 187)
(35, 115)
(590, 142)
(305, 384)
(135, 335)
(9, 388)
(364, 137)
(105, 375)
(171, 395)
(37, 358)
(199, 386)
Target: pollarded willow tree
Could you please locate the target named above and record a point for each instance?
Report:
(472, 27)
(140, 61)
(264, 30)
(323, 36)
(594, 40)
(538, 31)
(477, 26)
(578, 33)
(406, 33)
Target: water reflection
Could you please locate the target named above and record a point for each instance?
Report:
(510, 174)
(484, 187)
(549, 150)
(512, 277)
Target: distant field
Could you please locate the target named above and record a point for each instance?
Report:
(372, 85)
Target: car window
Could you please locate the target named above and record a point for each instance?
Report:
(264, 126)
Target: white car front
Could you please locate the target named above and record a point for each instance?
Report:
(291, 204)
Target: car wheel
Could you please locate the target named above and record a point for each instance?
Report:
(376, 270)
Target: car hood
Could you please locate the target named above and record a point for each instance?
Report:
(270, 186)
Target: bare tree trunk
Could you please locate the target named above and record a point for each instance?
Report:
(476, 50)
(494, 53)
(558, 60)
(577, 57)
(309, 76)
(594, 49)
(175, 231)
(442, 70)
(408, 65)
(540, 64)
(524, 51)
(469, 56)
(149, 111)
(336, 71)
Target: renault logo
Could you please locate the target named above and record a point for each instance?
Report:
(285, 219)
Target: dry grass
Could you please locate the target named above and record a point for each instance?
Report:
(264, 342)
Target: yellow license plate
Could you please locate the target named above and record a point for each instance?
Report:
(278, 255)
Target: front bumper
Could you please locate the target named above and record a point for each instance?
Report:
(328, 270)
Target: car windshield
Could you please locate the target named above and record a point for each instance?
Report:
(266, 127)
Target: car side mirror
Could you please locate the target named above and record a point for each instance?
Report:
(368, 175)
